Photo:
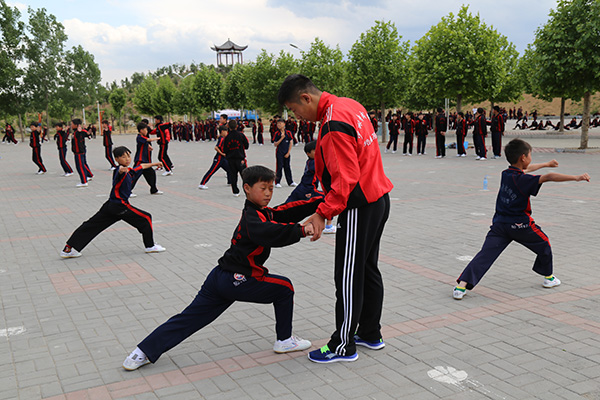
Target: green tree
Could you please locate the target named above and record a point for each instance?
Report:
(118, 99)
(163, 96)
(12, 101)
(564, 60)
(208, 89)
(44, 52)
(265, 76)
(462, 58)
(324, 66)
(377, 67)
(234, 88)
(184, 99)
(144, 93)
(79, 76)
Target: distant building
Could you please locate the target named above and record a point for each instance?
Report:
(231, 51)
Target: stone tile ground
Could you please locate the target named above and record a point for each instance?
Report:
(66, 325)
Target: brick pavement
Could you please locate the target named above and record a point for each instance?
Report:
(66, 325)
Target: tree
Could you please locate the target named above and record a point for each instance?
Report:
(234, 89)
(80, 76)
(208, 86)
(11, 54)
(44, 52)
(265, 76)
(163, 96)
(143, 97)
(118, 99)
(565, 56)
(324, 66)
(462, 58)
(377, 67)
(184, 99)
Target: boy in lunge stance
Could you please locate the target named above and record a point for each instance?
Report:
(115, 209)
(513, 221)
(240, 274)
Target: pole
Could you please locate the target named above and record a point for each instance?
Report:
(99, 117)
(83, 110)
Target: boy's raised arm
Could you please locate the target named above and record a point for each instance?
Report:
(556, 177)
(535, 167)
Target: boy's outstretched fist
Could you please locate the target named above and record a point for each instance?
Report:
(584, 177)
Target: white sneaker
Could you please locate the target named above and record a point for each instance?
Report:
(293, 343)
(203, 187)
(71, 254)
(463, 155)
(438, 156)
(393, 151)
(134, 361)
(236, 195)
(293, 184)
(458, 155)
(157, 248)
(156, 193)
(410, 154)
(329, 229)
(82, 185)
(482, 159)
(477, 158)
(112, 168)
(90, 179)
(41, 172)
(68, 174)
(386, 150)
(458, 294)
(132, 195)
(550, 283)
(167, 173)
(278, 185)
(424, 152)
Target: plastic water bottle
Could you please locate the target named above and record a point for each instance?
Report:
(485, 183)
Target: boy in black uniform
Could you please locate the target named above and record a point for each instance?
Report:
(513, 221)
(79, 151)
(461, 133)
(497, 128)
(35, 143)
(234, 147)
(163, 132)
(394, 129)
(441, 125)
(115, 209)
(61, 137)
(409, 133)
(143, 155)
(421, 131)
(240, 274)
(219, 161)
(283, 144)
(479, 134)
(107, 143)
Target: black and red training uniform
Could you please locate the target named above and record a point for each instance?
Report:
(241, 276)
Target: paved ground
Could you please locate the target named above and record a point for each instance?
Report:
(66, 325)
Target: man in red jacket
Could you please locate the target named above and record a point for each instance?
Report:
(348, 164)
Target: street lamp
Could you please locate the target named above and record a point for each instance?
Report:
(183, 77)
(296, 47)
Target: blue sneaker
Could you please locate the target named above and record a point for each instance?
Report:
(379, 344)
(324, 355)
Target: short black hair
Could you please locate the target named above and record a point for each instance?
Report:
(293, 86)
(33, 123)
(59, 124)
(515, 149)
(257, 173)
(120, 151)
(105, 121)
(480, 110)
(462, 114)
(223, 128)
(232, 124)
(76, 121)
(310, 146)
(223, 116)
(497, 108)
(439, 109)
(141, 126)
(145, 120)
(159, 117)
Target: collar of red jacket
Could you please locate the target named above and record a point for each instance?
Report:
(324, 102)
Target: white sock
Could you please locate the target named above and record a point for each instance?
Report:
(137, 354)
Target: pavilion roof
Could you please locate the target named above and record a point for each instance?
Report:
(229, 45)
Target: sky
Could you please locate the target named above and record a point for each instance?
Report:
(128, 36)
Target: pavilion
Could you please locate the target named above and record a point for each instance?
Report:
(229, 50)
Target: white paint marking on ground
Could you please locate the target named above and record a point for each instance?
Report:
(579, 201)
(15, 330)
(173, 181)
(464, 258)
(458, 379)
(476, 214)
(2, 271)
(202, 245)
(431, 172)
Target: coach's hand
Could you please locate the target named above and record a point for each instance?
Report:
(318, 223)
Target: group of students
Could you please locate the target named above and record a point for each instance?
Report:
(419, 126)
(347, 161)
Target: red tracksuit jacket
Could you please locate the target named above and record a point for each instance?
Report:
(347, 159)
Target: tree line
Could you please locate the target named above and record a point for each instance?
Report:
(461, 58)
